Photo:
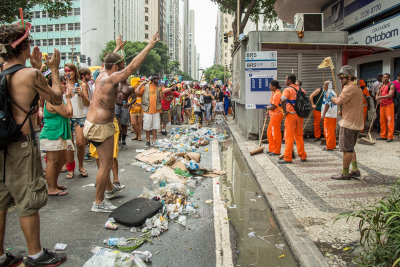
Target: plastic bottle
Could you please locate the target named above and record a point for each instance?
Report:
(115, 241)
(76, 86)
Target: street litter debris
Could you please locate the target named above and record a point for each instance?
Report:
(182, 220)
(110, 224)
(144, 255)
(140, 150)
(208, 201)
(88, 185)
(253, 200)
(60, 246)
(122, 170)
(105, 257)
(280, 246)
(232, 207)
(346, 248)
(252, 234)
(281, 256)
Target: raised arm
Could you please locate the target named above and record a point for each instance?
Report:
(124, 74)
(51, 94)
(314, 94)
(137, 91)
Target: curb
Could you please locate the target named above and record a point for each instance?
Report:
(303, 248)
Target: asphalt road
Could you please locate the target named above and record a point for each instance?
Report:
(68, 219)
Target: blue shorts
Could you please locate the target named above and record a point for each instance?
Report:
(78, 121)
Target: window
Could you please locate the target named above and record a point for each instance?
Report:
(37, 15)
(56, 27)
(146, 18)
(69, 12)
(77, 11)
(63, 41)
(146, 10)
(77, 26)
(44, 28)
(70, 26)
(146, 1)
(49, 28)
(50, 42)
(146, 36)
(63, 27)
(78, 40)
(57, 41)
(37, 28)
(63, 56)
(37, 42)
(44, 42)
(33, 29)
(146, 27)
(44, 14)
(70, 41)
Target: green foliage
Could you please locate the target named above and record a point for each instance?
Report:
(216, 71)
(379, 228)
(156, 61)
(173, 67)
(185, 76)
(10, 9)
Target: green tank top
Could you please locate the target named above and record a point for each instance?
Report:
(319, 103)
(55, 126)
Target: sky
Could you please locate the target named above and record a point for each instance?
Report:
(205, 22)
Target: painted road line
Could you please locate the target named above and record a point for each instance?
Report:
(223, 249)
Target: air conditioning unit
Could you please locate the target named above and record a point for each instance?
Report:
(309, 22)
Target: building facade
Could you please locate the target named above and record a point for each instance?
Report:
(185, 37)
(173, 29)
(192, 56)
(223, 31)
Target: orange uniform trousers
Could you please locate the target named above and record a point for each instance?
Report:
(317, 123)
(365, 116)
(330, 132)
(274, 133)
(387, 121)
(294, 131)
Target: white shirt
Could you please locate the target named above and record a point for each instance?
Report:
(327, 100)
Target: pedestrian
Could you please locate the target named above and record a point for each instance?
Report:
(99, 127)
(187, 100)
(124, 92)
(219, 95)
(316, 103)
(22, 182)
(329, 116)
(136, 113)
(366, 96)
(351, 102)
(169, 93)
(385, 97)
(227, 96)
(293, 122)
(198, 108)
(176, 106)
(373, 92)
(275, 119)
(396, 101)
(208, 98)
(151, 105)
(80, 98)
(55, 139)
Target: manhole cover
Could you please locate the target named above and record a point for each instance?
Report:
(380, 179)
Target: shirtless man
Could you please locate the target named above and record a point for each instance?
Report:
(99, 127)
(23, 166)
(124, 91)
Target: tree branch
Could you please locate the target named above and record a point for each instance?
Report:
(247, 15)
(226, 4)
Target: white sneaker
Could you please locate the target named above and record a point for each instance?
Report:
(116, 190)
(104, 206)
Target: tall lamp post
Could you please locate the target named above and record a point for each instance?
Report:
(73, 41)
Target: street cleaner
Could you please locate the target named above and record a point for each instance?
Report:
(385, 97)
(22, 182)
(99, 127)
(275, 114)
(316, 102)
(366, 97)
(329, 116)
(352, 122)
(293, 122)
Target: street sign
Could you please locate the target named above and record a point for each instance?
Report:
(261, 68)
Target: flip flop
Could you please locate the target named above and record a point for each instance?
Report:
(59, 193)
(61, 187)
(134, 138)
(64, 169)
(69, 176)
(84, 173)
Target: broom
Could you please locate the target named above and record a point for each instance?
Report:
(260, 148)
(369, 141)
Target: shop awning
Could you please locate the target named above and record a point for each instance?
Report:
(353, 50)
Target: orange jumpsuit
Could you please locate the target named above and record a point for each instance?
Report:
(387, 114)
(274, 127)
(365, 106)
(293, 125)
(330, 120)
(317, 114)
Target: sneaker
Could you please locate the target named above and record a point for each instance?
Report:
(148, 144)
(116, 190)
(48, 258)
(117, 183)
(381, 138)
(284, 162)
(124, 146)
(104, 206)
(12, 260)
(341, 176)
(389, 140)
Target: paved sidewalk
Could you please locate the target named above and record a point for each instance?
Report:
(315, 199)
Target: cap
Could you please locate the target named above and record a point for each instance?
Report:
(346, 70)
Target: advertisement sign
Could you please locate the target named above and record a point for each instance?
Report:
(344, 14)
(261, 67)
(385, 34)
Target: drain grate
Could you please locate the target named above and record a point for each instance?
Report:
(380, 179)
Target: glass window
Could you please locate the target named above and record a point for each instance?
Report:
(77, 11)
(63, 41)
(44, 14)
(44, 28)
(49, 28)
(63, 27)
(70, 41)
(146, 18)
(37, 42)
(78, 40)
(146, 36)
(37, 14)
(56, 27)
(77, 26)
(146, 10)
(44, 42)
(33, 29)
(70, 26)
(69, 12)
(146, 1)
(57, 41)
(146, 27)
(50, 42)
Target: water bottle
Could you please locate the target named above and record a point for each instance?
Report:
(75, 88)
(115, 241)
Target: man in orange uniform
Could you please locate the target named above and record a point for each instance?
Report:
(366, 95)
(385, 97)
(293, 122)
(329, 116)
(316, 102)
(275, 114)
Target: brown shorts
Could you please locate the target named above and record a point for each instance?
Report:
(24, 183)
(98, 133)
(164, 116)
(348, 139)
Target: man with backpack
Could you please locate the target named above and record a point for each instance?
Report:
(295, 107)
(22, 179)
(385, 97)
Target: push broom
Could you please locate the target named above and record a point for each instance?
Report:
(369, 140)
(260, 148)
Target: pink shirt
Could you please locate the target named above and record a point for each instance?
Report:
(385, 89)
(397, 84)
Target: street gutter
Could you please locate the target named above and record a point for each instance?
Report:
(303, 248)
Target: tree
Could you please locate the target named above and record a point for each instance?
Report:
(10, 9)
(173, 67)
(252, 9)
(216, 72)
(155, 62)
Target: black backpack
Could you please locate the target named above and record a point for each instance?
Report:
(303, 105)
(9, 129)
(396, 95)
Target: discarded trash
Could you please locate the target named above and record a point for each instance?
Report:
(281, 256)
(192, 165)
(110, 224)
(280, 246)
(182, 172)
(252, 234)
(115, 241)
(346, 248)
(253, 200)
(208, 201)
(144, 255)
(122, 170)
(140, 150)
(60, 246)
(232, 207)
(104, 257)
(88, 185)
(182, 220)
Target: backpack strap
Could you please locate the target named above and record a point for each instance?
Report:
(291, 102)
(13, 69)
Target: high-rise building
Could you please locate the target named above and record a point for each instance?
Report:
(173, 29)
(185, 50)
(192, 56)
(223, 40)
